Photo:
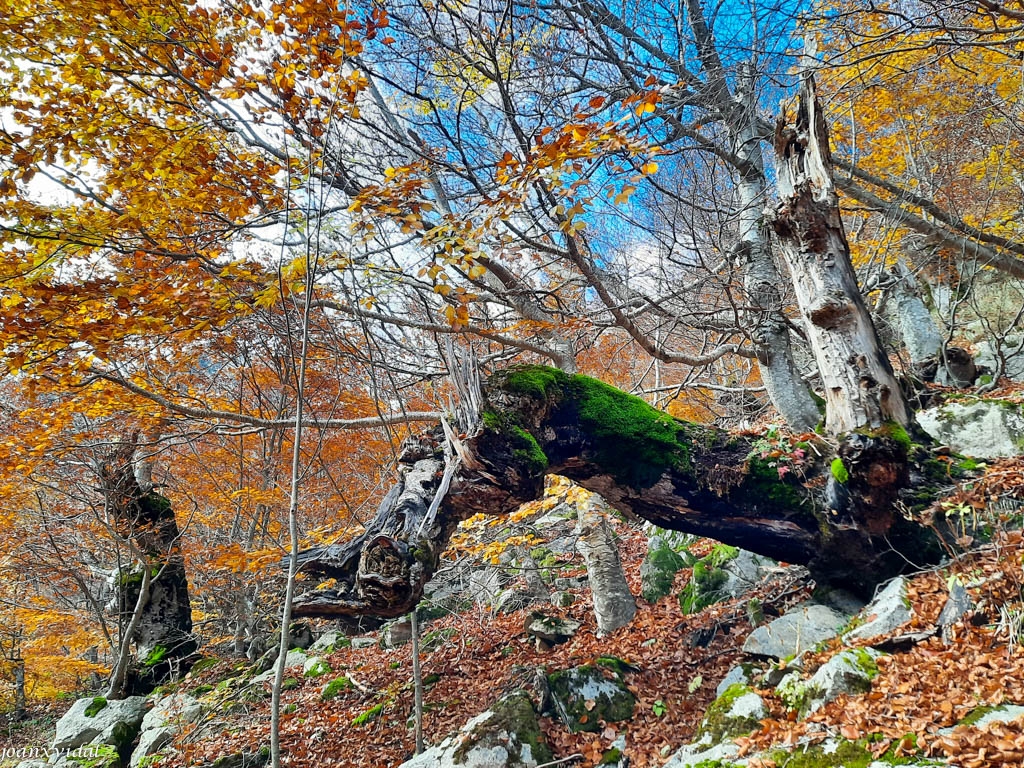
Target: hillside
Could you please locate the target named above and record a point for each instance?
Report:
(354, 707)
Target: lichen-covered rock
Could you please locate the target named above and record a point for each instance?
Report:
(957, 606)
(658, 570)
(551, 629)
(797, 631)
(737, 712)
(397, 633)
(117, 721)
(583, 697)
(745, 571)
(175, 709)
(507, 735)
(150, 742)
(886, 613)
(315, 667)
(985, 429)
(700, 755)
(326, 642)
(848, 672)
(741, 673)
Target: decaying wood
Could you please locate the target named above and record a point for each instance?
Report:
(153, 588)
(706, 482)
(859, 385)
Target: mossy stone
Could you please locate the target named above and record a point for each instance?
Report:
(658, 571)
(722, 722)
(583, 697)
(512, 720)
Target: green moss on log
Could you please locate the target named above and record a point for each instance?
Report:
(631, 440)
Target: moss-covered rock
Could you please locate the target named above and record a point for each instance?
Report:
(582, 697)
(737, 712)
(335, 688)
(658, 570)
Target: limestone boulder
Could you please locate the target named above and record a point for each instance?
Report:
(98, 720)
(507, 735)
(795, 632)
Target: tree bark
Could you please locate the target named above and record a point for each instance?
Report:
(860, 387)
(145, 519)
(842, 521)
(786, 388)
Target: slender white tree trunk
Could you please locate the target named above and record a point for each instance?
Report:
(293, 527)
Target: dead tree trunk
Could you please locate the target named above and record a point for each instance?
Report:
(840, 519)
(860, 387)
(144, 519)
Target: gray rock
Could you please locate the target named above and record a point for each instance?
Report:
(737, 711)
(483, 585)
(848, 672)
(364, 642)
(505, 736)
(315, 667)
(551, 629)
(570, 582)
(840, 600)
(397, 633)
(583, 697)
(562, 599)
(150, 742)
(1013, 349)
(958, 605)
(986, 429)
(300, 635)
(33, 764)
(704, 754)
(799, 630)
(889, 610)
(89, 719)
(176, 709)
(326, 642)
(512, 600)
(741, 673)
(746, 571)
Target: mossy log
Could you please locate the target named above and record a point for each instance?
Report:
(847, 526)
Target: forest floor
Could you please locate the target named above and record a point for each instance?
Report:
(923, 689)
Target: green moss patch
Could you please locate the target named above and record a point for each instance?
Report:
(631, 440)
(583, 697)
(722, 721)
(369, 715)
(335, 688)
(96, 706)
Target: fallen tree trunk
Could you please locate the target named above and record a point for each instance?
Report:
(838, 512)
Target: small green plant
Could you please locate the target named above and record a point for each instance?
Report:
(779, 451)
(658, 708)
(695, 683)
(839, 471)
